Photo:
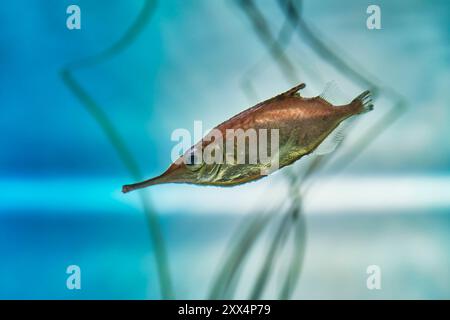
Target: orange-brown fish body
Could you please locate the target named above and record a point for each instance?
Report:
(302, 124)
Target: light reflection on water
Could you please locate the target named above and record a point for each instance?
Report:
(46, 133)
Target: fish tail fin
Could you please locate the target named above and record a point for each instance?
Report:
(363, 102)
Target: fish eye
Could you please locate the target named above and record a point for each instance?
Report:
(193, 161)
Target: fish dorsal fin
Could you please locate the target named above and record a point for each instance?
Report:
(293, 92)
(332, 94)
(332, 141)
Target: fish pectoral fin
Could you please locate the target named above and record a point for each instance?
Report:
(293, 91)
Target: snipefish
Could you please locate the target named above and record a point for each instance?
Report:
(303, 124)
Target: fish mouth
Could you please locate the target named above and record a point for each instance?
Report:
(139, 185)
(172, 174)
(127, 188)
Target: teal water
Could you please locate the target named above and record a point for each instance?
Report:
(116, 259)
(189, 63)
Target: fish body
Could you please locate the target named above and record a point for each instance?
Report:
(302, 125)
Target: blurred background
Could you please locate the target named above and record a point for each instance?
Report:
(85, 111)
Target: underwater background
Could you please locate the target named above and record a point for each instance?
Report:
(85, 111)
